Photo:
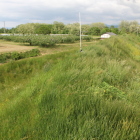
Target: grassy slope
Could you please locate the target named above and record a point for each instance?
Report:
(73, 96)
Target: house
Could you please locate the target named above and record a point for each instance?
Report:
(107, 35)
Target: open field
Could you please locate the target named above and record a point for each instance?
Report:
(10, 50)
(72, 95)
(6, 46)
(9, 46)
(65, 47)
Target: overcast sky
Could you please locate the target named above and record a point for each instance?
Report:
(111, 12)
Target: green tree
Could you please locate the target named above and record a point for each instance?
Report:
(94, 31)
(73, 28)
(43, 29)
(129, 27)
(133, 28)
(85, 29)
(99, 25)
(124, 26)
(12, 30)
(104, 30)
(27, 28)
(1, 30)
(115, 30)
(58, 27)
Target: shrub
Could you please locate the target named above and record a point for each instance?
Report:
(87, 38)
(2, 58)
(111, 92)
(16, 56)
(44, 40)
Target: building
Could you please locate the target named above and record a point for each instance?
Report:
(107, 35)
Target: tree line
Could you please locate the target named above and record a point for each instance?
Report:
(87, 29)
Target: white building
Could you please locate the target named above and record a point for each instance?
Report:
(107, 35)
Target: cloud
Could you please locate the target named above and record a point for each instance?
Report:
(16, 12)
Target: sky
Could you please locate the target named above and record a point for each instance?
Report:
(110, 12)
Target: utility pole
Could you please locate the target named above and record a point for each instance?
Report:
(4, 26)
(80, 33)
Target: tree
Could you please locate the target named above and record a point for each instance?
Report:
(94, 31)
(128, 27)
(1, 30)
(133, 27)
(99, 25)
(85, 29)
(112, 27)
(4, 30)
(12, 30)
(73, 28)
(115, 30)
(58, 27)
(43, 29)
(27, 28)
(124, 26)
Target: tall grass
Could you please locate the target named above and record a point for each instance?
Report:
(75, 96)
(16, 56)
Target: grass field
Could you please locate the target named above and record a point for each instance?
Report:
(72, 95)
(9, 46)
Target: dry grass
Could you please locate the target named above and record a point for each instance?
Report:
(65, 47)
(8, 46)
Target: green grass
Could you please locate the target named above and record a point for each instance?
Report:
(5, 57)
(92, 95)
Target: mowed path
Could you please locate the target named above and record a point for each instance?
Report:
(9, 46)
(12, 47)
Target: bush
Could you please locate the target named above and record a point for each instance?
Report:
(2, 58)
(87, 38)
(16, 56)
(45, 40)
(111, 92)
